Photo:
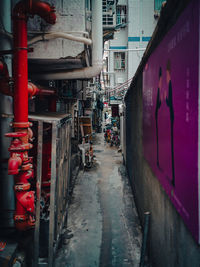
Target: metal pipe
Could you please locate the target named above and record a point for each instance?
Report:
(97, 48)
(20, 164)
(86, 34)
(20, 68)
(54, 35)
(6, 87)
(126, 50)
(35, 90)
(144, 239)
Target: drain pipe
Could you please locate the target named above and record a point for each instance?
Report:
(97, 48)
(20, 164)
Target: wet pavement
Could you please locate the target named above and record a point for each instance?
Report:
(103, 227)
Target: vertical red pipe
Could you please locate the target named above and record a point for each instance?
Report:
(20, 69)
(19, 163)
(20, 65)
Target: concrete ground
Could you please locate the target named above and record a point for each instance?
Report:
(103, 228)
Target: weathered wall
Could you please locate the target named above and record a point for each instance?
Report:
(70, 17)
(170, 244)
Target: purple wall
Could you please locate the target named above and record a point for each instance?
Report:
(170, 115)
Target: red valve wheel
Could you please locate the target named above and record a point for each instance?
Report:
(15, 134)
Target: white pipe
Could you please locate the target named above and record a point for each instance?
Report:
(97, 48)
(69, 32)
(108, 72)
(125, 50)
(54, 35)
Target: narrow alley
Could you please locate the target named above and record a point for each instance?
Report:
(103, 226)
(100, 133)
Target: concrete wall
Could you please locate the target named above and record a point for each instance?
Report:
(170, 244)
(70, 17)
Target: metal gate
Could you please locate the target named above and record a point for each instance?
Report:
(60, 125)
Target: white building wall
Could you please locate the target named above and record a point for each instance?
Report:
(119, 43)
(137, 33)
(141, 24)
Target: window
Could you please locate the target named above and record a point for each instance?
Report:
(121, 14)
(119, 60)
(107, 20)
(107, 12)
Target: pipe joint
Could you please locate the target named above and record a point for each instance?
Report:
(24, 214)
(14, 163)
(42, 9)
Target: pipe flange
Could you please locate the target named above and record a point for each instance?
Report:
(16, 134)
(23, 147)
(22, 187)
(20, 218)
(26, 167)
(21, 124)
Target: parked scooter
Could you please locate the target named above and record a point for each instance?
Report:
(115, 140)
(108, 132)
(115, 136)
(89, 156)
(87, 151)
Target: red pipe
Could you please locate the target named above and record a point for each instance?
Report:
(44, 10)
(20, 68)
(7, 89)
(35, 90)
(19, 163)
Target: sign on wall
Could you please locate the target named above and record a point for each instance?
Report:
(170, 115)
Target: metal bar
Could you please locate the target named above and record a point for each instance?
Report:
(144, 239)
(69, 154)
(52, 195)
(126, 50)
(38, 193)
